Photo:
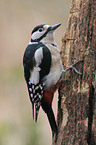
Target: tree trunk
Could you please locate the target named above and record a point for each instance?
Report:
(76, 117)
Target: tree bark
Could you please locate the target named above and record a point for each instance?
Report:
(76, 117)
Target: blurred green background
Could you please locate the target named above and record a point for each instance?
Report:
(17, 19)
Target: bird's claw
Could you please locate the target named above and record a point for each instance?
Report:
(72, 67)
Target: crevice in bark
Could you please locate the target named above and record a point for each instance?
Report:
(60, 112)
(90, 135)
(89, 15)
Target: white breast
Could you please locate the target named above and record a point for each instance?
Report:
(56, 68)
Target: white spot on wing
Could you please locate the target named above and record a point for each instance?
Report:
(38, 55)
(34, 78)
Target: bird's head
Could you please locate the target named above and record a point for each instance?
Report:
(44, 33)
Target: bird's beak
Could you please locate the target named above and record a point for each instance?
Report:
(54, 27)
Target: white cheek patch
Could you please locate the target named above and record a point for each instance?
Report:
(37, 35)
(34, 78)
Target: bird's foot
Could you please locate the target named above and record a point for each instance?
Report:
(72, 67)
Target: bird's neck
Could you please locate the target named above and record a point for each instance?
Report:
(48, 41)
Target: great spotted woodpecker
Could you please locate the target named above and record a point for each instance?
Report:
(43, 70)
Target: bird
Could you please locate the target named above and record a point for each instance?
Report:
(43, 71)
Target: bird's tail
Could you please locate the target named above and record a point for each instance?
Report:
(35, 111)
(48, 110)
(36, 94)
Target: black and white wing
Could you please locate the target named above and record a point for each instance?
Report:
(37, 63)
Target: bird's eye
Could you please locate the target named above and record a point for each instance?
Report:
(40, 29)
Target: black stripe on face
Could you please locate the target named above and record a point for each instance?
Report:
(44, 35)
(37, 27)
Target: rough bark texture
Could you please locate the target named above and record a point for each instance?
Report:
(76, 117)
